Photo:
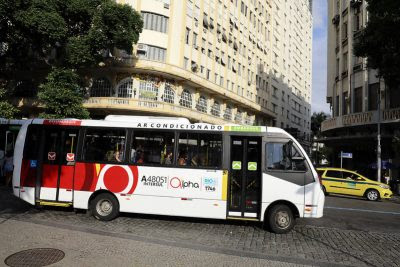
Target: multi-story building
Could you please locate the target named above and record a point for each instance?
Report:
(357, 97)
(217, 61)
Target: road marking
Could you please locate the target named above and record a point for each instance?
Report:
(373, 211)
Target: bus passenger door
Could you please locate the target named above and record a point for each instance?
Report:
(58, 164)
(245, 177)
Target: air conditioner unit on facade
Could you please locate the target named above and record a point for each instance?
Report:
(166, 6)
(141, 49)
(194, 67)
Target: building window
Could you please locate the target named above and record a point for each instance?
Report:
(208, 74)
(216, 109)
(202, 104)
(154, 53)
(125, 88)
(373, 96)
(194, 40)
(344, 103)
(185, 63)
(101, 87)
(186, 99)
(169, 94)
(345, 56)
(238, 117)
(337, 67)
(228, 113)
(187, 36)
(155, 22)
(358, 100)
(344, 31)
(148, 90)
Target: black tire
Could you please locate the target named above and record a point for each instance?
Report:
(280, 219)
(372, 195)
(104, 207)
(324, 190)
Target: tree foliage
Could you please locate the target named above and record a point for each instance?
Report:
(380, 40)
(316, 121)
(7, 110)
(62, 95)
(62, 34)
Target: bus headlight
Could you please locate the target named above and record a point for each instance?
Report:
(384, 186)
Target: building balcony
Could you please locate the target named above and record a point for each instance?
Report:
(355, 3)
(362, 118)
(336, 20)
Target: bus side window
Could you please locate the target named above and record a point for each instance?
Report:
(279, 157)
(104, 145)
(32, 142)
(152, 147)
(200, 150)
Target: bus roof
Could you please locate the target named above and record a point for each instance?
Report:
(12, 121)
(154, 124)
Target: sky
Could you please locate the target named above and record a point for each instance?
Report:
(319, 56)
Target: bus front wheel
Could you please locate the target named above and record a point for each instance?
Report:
(280, 219)
(104, 207)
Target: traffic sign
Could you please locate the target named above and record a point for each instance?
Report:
(347, 155)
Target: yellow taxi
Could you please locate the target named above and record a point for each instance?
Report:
(346, 182)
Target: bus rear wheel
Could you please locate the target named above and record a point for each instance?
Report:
(104, 207)
(280, 219)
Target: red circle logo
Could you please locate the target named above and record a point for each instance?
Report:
(116, 179)
(175, 182)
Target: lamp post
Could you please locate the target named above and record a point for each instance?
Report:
(378, 149)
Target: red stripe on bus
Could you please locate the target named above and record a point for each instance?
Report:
(28, 174)
(63, 122)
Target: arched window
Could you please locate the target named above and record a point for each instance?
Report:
(216, 109)
(148, 90)
(101, 87)
(202, 104)
(228, 113)
(125, 88)
(169, 94)
(186, 99)
(239, 117)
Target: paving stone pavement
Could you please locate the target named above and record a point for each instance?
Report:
(310, 245)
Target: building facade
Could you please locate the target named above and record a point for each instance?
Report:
(358, 99)
(216, 61)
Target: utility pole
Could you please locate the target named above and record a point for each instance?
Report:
(378, 149)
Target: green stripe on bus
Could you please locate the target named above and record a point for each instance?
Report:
(246, 129)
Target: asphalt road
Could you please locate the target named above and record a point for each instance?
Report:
(353, 232)
(352, 213)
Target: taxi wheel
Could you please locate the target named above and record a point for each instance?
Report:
(372, 195)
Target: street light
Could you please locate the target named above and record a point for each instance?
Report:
(378, 149)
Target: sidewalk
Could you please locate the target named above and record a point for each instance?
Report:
(88, 249)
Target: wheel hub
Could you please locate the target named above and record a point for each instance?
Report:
(104, 207)
(282, 219)
(372, 195)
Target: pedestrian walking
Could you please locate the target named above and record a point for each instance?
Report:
(8, 167)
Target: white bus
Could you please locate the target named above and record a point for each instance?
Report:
(167, 167)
